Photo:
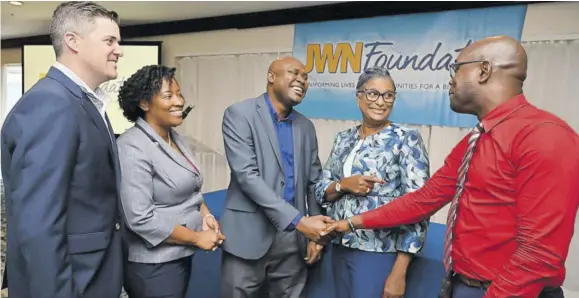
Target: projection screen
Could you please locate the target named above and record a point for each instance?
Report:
(37, 60)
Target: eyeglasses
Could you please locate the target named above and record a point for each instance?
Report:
(453, 67)
(373, 95)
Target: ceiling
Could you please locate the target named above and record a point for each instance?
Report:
(33, 17)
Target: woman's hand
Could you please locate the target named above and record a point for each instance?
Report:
(208, 240)
(210, 223)
(360, 185)
(395, 285)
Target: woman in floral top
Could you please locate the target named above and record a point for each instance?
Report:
(369, 166)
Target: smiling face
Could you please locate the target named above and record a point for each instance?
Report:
(376, 99)
(166, 107)
(97, 49)
(289, 81)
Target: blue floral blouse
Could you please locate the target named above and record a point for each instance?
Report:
(397, 155)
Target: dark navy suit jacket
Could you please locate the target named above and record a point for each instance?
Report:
(61, 178)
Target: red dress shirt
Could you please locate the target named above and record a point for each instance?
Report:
(516, 215)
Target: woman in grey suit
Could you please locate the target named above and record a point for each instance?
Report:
(160, 188)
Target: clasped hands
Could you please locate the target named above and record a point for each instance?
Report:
(320, 230)
(211, 236)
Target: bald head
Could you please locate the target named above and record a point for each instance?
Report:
(281, 62)
(287, 81)
(503, 52)
(487, 73)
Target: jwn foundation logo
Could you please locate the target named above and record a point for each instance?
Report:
(347, 57)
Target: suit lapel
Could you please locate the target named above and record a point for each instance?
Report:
(184, 147)
(114, 152)
(87, 105)
(298, 147)
(94, 114)
(267, 121)
(298, 162)
(90, 109)
(169, 151)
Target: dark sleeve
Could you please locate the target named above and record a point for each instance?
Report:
(45, 142)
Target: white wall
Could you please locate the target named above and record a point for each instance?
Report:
(551, 21)
(224, 42)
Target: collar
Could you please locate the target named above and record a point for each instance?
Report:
(145, 125)
(98, 92)
(503, 111)
(273, 113)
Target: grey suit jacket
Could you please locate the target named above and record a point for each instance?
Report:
(159, 189)
(255, 209)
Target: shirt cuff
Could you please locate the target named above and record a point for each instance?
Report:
(292, 226)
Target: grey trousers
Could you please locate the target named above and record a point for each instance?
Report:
(281, 273)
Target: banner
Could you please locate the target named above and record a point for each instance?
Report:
(415, 48)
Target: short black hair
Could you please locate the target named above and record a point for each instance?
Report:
(142, 85)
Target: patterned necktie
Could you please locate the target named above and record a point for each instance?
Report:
(100, 106)
(450, 221)
(97, 102)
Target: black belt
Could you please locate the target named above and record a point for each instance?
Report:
(547, 292)
(473, 283)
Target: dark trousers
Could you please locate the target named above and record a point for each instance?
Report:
(163, 280)
(360, 274)
(460, 290)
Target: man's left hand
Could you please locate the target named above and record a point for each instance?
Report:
(395, 286)
(314, 253)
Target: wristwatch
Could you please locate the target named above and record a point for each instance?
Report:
(338, 186)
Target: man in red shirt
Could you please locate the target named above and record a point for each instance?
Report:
(512, 184)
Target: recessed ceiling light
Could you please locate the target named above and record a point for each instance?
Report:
(17, 3)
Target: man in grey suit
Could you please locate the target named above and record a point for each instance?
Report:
(273, 155)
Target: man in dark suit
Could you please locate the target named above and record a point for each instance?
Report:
(270, 206)
(60, 167)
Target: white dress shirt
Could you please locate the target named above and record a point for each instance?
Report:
(99, 93)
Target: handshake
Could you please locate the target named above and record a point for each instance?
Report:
(322, 229)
